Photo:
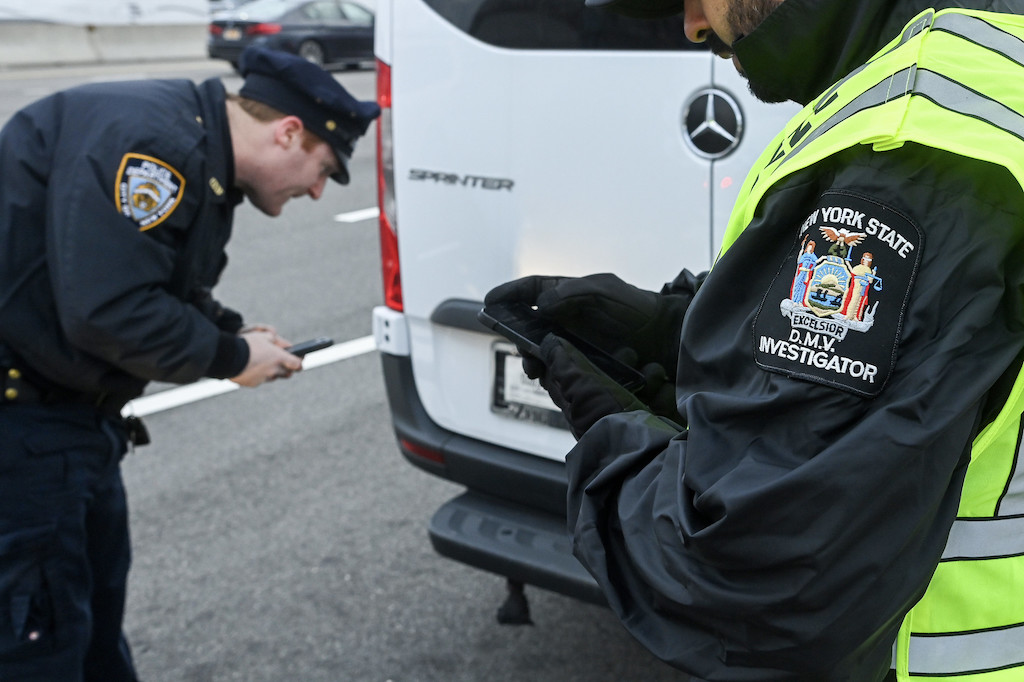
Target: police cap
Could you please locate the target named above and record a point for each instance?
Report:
(300, 88)
(642, 9)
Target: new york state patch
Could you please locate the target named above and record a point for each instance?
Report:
(148, 190)
(834, 311)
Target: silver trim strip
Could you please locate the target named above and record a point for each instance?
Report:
(964, 653)
(983, 33)
(941, 90)
(985, 538)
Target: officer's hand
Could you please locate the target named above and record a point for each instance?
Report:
(606, 311)
(582, 391)
(659, 391)
(523, 290)
(268, 359)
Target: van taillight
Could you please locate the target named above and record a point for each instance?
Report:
(389, 264)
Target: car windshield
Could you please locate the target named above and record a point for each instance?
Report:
(264, 10)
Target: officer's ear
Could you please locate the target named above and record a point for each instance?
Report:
(288, 131)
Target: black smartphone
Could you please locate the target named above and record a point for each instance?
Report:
(523, 326)
(319, 343)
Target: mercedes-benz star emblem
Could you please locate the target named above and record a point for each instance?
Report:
(713, 123)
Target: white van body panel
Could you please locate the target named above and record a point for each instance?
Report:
(512, 162)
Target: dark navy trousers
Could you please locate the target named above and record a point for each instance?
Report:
(64, 546)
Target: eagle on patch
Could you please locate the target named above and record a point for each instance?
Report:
(842, 239)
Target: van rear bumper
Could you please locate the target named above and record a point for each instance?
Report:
(518, 543)
(511, 520)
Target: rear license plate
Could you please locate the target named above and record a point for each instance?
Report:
(518, 396)
(233, 34)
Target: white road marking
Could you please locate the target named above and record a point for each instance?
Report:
(357, 216)
(208, 388)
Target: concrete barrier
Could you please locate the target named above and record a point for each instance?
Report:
(29, 43)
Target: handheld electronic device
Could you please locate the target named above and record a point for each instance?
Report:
(309, 346)
(523, 326)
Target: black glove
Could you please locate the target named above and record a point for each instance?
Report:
(582, 391)
(605, 311)
(638, 326)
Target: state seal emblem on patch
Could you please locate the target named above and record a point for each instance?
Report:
(830, 285)
(148, 190)
(835, 322)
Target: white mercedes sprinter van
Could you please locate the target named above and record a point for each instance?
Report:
(532, 137)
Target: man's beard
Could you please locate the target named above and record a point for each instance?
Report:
(744, 16)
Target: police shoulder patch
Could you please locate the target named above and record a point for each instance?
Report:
(148, 190)
(827, 316)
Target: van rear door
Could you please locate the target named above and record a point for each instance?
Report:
(544, 138)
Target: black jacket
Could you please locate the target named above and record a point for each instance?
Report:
(780, 526)
(115, 207)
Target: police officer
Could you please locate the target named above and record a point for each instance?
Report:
(834, 491)
(116, 203)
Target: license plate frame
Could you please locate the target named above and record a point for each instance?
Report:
(516, 396)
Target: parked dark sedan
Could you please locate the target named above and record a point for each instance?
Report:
(326, 32)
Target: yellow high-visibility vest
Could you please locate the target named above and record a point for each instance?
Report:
(953, 80)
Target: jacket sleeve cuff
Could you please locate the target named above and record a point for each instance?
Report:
(231, 358)
(230, 320)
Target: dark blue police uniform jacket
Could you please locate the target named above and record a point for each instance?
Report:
(115, 207)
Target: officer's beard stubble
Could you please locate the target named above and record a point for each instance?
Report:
(744, 16)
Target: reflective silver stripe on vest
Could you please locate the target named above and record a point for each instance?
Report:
(983, 33)
(965, 653)
(943, 91)
(998, 536)
(996, 649)
(951, 95)
(909, 33)
(893, 87)
(985, 538)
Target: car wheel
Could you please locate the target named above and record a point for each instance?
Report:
(311, 51)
